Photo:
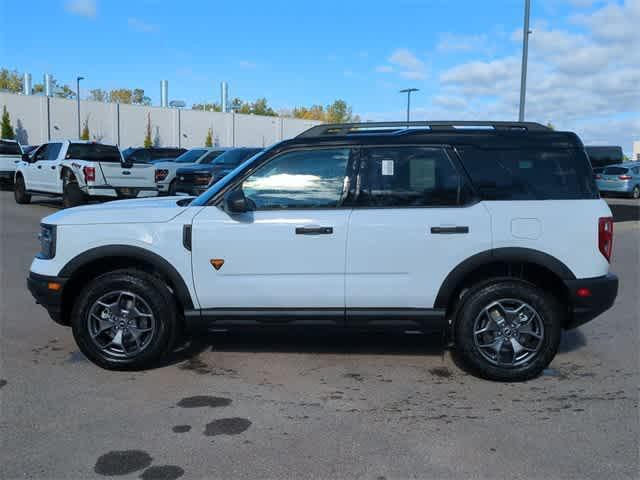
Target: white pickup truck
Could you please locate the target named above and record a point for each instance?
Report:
(10, 156)
(78, 171)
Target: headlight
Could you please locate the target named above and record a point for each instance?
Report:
(47, 239)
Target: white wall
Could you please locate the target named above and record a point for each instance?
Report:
(37, 119)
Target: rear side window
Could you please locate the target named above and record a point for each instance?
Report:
(529, 174)
(409, 177)
(9, 148)
(93, 152)
(615, 171)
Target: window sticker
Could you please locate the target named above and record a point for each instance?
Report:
(387, 167)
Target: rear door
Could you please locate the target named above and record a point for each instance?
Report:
(413, 221)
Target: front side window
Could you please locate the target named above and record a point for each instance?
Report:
(301, 179)
(211, 156)
(408, 177)
(53, 151)
(41, 153)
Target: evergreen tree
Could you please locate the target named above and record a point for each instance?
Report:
(7, 130)
(148, 142)
(85, 130)
(208, 141)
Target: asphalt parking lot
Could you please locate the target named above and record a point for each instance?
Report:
(312, 407)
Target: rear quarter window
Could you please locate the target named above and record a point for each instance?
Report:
(529, 174)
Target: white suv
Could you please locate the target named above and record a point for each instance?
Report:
(166, 170)
(493, 234)
(79, 170)
(10, 157)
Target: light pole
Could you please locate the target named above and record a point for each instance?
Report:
(408, 91)
(525, 55)
(78, 99)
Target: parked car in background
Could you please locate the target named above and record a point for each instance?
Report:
(166, 170)
(196, 179)
(79, 171)
(621, 179)
(603, 156)
(151, 154)
(10, 156)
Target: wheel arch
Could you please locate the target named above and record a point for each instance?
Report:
(96, 261)
(516, 262)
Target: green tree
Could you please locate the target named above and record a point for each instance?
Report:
(85, 130)
(315, 112)
(6, 130)
(10, 81)
(98, 95)
(551, 126)
(148, 142)
(63, 91)
(340, 112)
(120, 95)
(207, 107)
(208, 140)
(139, 98)
(261, 107)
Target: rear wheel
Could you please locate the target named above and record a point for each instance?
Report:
(20, 191)
(635, 194)
(125, 319)
(72, 196)
(508, 330)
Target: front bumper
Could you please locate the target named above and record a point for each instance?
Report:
(602, 295)
(191, 189)
(50, 299)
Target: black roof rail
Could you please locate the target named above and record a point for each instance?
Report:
(399, 127)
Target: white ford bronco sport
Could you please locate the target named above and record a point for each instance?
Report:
(10, 156)
(492, 233)
(80, 170)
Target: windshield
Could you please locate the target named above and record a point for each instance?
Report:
(191, 156)
(127, 152)
(235, 157)
(603, 156)
(94, 152)
(204, 198)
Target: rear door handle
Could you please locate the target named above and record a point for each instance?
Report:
(314, 230)
(449, 230)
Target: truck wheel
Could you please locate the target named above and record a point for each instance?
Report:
(125, 320)
(72, 196)
(635, 194)
(20, 191)
(508, 330)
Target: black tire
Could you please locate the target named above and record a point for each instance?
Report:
(72, 196)
(635, 194)
(550, 316)
(161, 304)
(172, 188)
(20, 191)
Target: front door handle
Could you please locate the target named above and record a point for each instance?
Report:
(39, 167)
(314, 230)
(53, 168)
(449, 230)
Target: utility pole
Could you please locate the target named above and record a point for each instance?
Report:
(408, 91)
(525, 56)
(78, 99)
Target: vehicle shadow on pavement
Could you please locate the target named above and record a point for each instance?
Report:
(572, 340)
(318, 343)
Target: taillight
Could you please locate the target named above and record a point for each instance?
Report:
(625, 177)
(89, 174)
(605, 236)
(598, 177)
(161, 174)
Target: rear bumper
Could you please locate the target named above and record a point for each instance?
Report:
(120, 192)
(619, 187)
(50, 299)
(603, 292)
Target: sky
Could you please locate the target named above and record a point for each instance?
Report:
(463, 55)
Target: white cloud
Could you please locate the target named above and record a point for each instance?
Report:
(384, 69)
(450, 42)
(584, 81)
(140, 25)
(84, 8)
(408, 64)
(247, 64)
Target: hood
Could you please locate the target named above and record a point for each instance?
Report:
(198, 167)
(166, 163)
(143, 210)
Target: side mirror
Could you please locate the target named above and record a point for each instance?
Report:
(127, 163)
(235, 202)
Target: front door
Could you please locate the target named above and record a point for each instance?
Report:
(285, 260)
(49, 170)
(34, 170)
(412, 223)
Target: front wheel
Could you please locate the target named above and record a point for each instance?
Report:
(20, 191)
(125, 320)
(508, 330)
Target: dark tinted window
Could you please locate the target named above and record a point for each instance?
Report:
(93, 152)
(303, 179)
(603, 156)
(636, 170)
(166, 152)
(41, 153)
(211, 156)
(53, 150)
(529, 174)
(190, 156)
(409, 177)
(136, 155)
(615, 171)
(236, 156)
(9, 148)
